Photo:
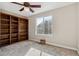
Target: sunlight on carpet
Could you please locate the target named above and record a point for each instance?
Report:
(36, 52)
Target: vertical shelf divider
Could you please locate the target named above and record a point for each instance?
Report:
(18, 29)
(10, 29)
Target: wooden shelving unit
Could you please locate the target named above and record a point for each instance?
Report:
(5, 29)
(12, 29)
(23, 29)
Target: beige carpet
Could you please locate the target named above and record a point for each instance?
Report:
(30, 48)
(36, 52)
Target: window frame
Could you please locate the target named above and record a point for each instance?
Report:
(36, 26)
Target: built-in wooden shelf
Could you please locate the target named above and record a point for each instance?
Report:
(12, 29)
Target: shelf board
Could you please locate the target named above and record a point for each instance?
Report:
(5, 25)
(4, 40)
(5, 20)
(5, 34)
(14, 21)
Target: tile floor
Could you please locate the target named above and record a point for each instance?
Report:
(31, 48)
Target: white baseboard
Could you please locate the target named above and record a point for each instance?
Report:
(62, 46)
(49, 43)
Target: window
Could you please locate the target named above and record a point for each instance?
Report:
(43, 25)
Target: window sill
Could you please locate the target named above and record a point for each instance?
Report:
(43, 34)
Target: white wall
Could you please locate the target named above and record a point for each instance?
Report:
(64, 29)
(78, 26)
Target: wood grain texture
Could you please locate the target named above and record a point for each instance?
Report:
(9, 29)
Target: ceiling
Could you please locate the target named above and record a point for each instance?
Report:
(45, 6)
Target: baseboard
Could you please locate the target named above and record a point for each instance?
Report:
(62, 46)
(49, 43)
